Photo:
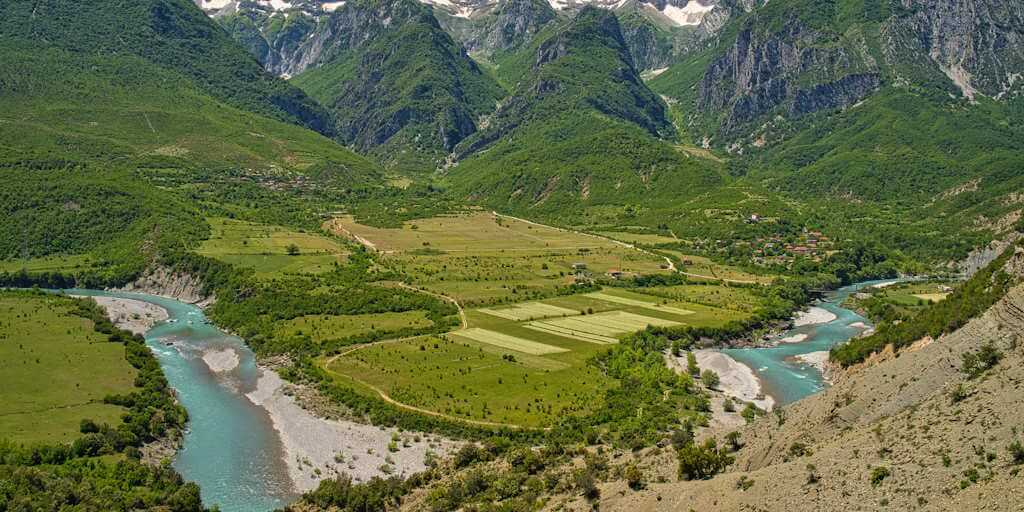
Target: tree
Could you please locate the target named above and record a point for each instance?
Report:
(691, 364)
(710, 379)
(293, 250)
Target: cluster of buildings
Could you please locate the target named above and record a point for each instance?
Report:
(779, 250)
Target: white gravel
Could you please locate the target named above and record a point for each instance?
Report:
(220, 361)
(813, 316)
(312, 443)
(796, 338)
(735, 379)
(134, 315)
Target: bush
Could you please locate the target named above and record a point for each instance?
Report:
(634, 477)
(733, 438)
(878, 475)
(691, 365)
(710, 379)
(728, 405)
(1016, 452)
(702, 462)
(751, 412)
(977, 363)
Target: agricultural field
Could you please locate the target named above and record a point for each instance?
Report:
(524, 364)
(56, 371)
(702, 266)
(321, 328)
(482, 259)
(265, 248)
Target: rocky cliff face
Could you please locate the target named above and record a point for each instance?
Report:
(509, 24)
(978, 44)
(785, 60)
(791, 71)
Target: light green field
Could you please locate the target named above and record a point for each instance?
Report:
(264, 248)
(529, 311)
(508, 342)
(599, 327)
(320, 328)
(620, 297)
(55, 371)
(48, 264)
(481, 259)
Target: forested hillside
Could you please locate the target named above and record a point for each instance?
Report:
(581, 129)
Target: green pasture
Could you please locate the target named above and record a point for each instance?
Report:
(264, 248)
(55, 371)
(320, 328)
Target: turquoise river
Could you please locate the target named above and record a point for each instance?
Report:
(233, 452)
(231, 448)
(787, 379)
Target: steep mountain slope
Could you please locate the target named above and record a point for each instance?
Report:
(167, 33)
(398, 85)
(155, 80)
(905, 111)
(118, 122)
(927, 430)
(797, 57)
(581, 128)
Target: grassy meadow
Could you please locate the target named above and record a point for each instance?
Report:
(56, 370)
(321, 328)
(264, 248)
(482, 259)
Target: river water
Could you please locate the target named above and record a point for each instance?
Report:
(231, 448)
(788, 380)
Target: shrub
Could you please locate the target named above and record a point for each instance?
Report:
(702, 462)
(1016, 452)
(733, 438)
(878, 475)
(691, 365)
(682, 436)
(634, 477)
(744, 483)
(728, 405)
(750, 412)
(710, 379)
(977, 363)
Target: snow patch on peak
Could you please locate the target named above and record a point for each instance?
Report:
(690, 14)
(457, 10)
(277, 5)
(214, 4)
